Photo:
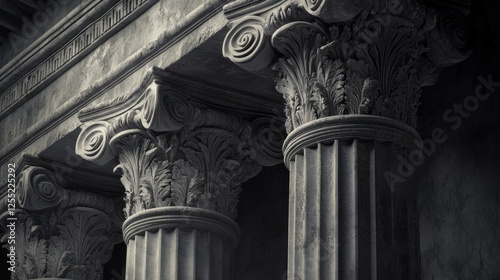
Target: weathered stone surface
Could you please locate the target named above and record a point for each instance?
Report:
(180, 243)
(179, 159)
(457, 182)
(78, 87)
(337, 61)
(338, 58)
(60, 232)
(173, 151)
(346, 220)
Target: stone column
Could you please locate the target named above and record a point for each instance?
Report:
(60, 233)
(182, 165)
(181, 196)
(346, 220)
(351, 74)
(180, 243)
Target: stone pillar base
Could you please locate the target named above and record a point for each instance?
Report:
(180, 243)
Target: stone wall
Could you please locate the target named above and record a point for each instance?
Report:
(459, 183)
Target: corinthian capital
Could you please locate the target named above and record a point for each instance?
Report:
(60, 232)
(172, 149)
(347, 57)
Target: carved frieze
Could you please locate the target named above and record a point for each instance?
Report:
(60, 232)
(349, 57)
(73, 51)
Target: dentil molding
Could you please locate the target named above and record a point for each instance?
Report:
(88, 39)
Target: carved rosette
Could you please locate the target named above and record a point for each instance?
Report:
(352, 57)
(60, 233)
(173, 152)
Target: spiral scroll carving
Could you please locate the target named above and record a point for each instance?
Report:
(449, 42)
(313, 6)
(58, 237)
(247, 45)
(166, 110)
(38, 189)
(179, 110)
(356, 56)
(92, 143)
(148, 110)
(267, 140)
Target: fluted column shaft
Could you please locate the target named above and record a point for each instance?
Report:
(345, 220)
(180, 243)
(181, 194)
(351, 74)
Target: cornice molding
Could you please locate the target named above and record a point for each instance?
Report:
(60, 114)
(78, 47)
(52, 39)
(240, 8)
(157, 105)
(200, 93)
(349, 57)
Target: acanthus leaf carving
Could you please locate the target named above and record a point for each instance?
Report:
(298, 42)
(197, 167)
(188, 184)
(57, 260)
(32, 260)
(83, 241)
(360, 57)
(67, 233)
(173, 151)
(215, 153)
(154, 185)
(135, 152)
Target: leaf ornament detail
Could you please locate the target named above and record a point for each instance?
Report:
(187, 184)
